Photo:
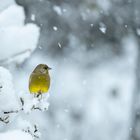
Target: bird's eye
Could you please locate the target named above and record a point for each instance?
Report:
(45, 68)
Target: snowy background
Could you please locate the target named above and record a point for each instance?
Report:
(93, 49)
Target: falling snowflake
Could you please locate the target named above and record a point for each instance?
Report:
(59, 45)
(64, 10)
(91, 25)
(138, 31)
(102, 27)
(58, 10)
(55, 28)
(40, 47)
(33, 17)
(126, 26)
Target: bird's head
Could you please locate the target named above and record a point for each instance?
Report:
(42, 68)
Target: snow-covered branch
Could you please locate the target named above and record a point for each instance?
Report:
(13, 104)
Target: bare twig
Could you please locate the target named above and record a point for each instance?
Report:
(35, 108)
(34, 132)
(5, 120)
(22, 101)
(12, 111)
(35, 129)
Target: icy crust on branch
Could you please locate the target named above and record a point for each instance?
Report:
(15, 135)
(33, 103)
(20, 39)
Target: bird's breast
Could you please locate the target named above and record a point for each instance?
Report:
(39, 83)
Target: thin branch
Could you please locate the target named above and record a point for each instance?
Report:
(5, 120)
(35, 129)
(36, 108)
(8, 112)
(33, 134)
(22, 101)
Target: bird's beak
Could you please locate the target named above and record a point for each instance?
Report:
(49, 68)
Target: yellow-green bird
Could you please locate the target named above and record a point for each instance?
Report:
(39, 81)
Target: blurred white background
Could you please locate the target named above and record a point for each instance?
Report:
(93, 49)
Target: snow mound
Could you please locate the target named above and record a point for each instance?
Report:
(20, 40)
(12, 16)
(8, 99)
(15, 135)
(33, 103)
(5, 3)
